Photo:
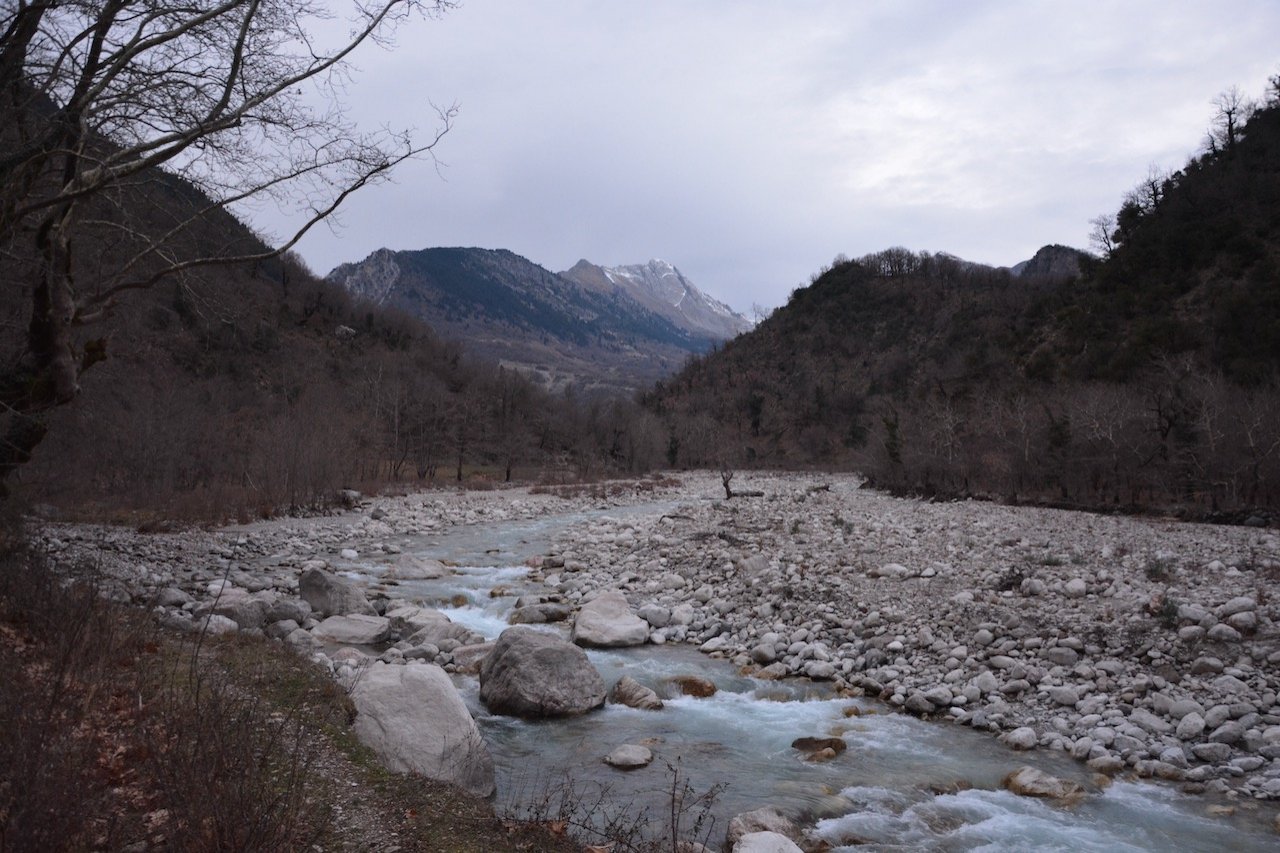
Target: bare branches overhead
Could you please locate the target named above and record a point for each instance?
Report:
(241, 99)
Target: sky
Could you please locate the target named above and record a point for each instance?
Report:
(749, 143)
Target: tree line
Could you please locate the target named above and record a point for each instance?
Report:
(1149, 380)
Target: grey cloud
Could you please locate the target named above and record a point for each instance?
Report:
(750, 142)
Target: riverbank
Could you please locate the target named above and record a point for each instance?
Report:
(1110, 639)
(1137, 645)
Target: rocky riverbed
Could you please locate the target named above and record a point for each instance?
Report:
(1137, 645)
(1140, 646)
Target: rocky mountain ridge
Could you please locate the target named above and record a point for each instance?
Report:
(660, 287)
(591, 328)
(1052, 261)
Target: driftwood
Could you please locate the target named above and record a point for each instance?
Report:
(729, 494)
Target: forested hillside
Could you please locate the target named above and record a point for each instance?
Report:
(254, 387)
(261, 388)
(1149, 380)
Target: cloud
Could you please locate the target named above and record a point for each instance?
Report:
(749, 142)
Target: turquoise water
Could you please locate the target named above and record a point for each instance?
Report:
(902, 784)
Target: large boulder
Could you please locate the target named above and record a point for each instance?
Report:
(246, 611)
(407, 567)
(534, 614)
(629, 756)
(354, 630)
(695, 685)
(606, 621)
(332, 596)
(765, 842)
(294, 609)
(1027, 781)
(534, 674)
(632, 693)
(438, 632)
(414, 719)
(408, 619)
(766, 819)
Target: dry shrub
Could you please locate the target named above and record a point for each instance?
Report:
(114, 733)
(592, 813)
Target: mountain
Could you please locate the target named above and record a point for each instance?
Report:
(1146, 378)
(1053, 261)
(242, 388)
(583, 331)
(664, 290)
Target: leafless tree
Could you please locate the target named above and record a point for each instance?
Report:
(1232, 111)
(1102, 235)
(101, 97)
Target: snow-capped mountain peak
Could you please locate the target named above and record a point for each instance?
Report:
(659, 286)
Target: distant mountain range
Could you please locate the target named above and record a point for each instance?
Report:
(592, 328)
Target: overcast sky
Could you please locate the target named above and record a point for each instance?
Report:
(750, 142)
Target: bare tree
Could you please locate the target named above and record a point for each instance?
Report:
(1232, 111)
(101, 97)
(1102, 235)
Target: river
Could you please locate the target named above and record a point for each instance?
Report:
(903, 783)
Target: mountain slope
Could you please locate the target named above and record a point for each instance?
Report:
(249, 387)
(503, 306)
(663, 289)
(1151, 378)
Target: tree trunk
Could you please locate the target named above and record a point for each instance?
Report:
(47, 374)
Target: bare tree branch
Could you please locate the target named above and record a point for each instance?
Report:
(236, 97)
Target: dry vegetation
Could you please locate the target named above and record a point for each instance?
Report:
(117, 735)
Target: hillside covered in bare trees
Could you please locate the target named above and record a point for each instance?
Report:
(1149, 380)
(155, 352)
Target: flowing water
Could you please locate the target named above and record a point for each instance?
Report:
(903, 783)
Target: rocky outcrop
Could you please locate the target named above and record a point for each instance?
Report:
(414, 719)
(663, 289)
(356, 629)
(1052, 261)
(533, 674)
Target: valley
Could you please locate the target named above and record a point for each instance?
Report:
(444, 550)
